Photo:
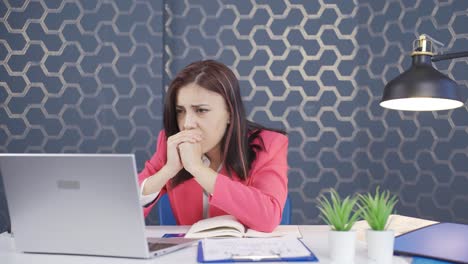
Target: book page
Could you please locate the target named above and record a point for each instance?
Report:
(282, 230)
(216, 232)
(402, 224)
(229, 248)
(399, 223)
(225, 225)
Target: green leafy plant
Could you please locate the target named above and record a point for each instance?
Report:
(338, 213)
(376, 209)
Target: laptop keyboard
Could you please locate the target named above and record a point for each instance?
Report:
(157, 246)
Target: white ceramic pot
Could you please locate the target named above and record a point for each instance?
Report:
(380, 245)
(342, 246)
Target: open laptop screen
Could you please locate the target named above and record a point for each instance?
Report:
(75, 204)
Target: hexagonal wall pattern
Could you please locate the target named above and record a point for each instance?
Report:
(317, 69)
(418, 155)
(79, 76)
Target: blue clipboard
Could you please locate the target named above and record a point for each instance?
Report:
(201, 259)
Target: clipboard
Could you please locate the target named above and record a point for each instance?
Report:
(256, 258)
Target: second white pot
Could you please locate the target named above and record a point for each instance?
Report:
(380, 245)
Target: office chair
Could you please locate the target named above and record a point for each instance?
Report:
(287, 212)
(166, 217)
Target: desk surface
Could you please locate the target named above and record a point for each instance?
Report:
(316, 237)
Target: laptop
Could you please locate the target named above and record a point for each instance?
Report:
(85, 204)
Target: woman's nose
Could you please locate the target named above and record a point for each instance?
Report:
(189, 122)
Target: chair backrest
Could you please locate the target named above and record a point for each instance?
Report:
(287, 212)
(166, 217)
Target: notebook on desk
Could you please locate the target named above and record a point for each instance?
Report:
(442, 241)
(229, 226)
(85, 204)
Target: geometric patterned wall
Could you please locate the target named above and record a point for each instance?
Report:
(317, 69)
(423, 157)
(80, 76)
(89, 77)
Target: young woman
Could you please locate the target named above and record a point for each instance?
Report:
(210, 159)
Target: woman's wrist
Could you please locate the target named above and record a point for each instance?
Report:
(205, 176)
(168, 172)
(196, 170)
(158, 180)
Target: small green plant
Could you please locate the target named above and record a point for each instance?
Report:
(337, 213)
(376, 209)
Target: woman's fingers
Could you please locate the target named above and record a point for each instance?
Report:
(176, 141)
(184, 136)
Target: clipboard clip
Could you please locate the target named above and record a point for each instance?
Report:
(256, 257)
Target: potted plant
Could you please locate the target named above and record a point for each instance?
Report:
(340, 215)
(376, 211)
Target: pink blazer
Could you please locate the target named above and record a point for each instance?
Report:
(257, 202)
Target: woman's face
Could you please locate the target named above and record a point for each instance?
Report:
(202, 110)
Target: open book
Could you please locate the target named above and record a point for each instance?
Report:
(399, 223)
(228, 226)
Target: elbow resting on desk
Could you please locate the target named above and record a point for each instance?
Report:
(266, 220)
(268, 225)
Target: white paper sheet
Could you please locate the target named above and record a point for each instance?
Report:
(256, 248)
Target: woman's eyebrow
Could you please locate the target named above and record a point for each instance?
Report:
(198, 105)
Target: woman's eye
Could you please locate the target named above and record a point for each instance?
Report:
(179, 111)
(202, 110)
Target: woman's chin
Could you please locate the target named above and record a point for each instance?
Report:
(205, 150)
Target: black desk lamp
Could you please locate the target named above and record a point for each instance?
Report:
(421, 87)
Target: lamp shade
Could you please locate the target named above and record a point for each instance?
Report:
(421, 88)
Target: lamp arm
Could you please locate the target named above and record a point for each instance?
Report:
(449, 56)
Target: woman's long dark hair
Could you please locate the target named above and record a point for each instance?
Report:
(236, 145)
